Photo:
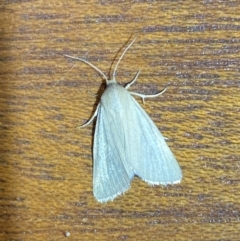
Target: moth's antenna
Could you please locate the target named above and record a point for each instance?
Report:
(115, 69)
(85, 61)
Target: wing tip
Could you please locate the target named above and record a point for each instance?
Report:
(165, 183)
(111, 198)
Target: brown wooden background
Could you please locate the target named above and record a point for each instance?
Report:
(45, 162)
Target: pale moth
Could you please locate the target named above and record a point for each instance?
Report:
(127, 142)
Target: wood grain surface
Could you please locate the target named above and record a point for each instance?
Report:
(193, 47)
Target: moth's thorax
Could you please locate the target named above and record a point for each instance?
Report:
(113, 90)
(114, 96)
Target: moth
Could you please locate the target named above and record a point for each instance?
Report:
(127, 142)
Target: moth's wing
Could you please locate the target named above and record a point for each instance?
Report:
(111, 174)
(152, 159)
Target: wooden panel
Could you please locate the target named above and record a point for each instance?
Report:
(46, 163)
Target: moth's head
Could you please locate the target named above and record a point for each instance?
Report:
(112, 80)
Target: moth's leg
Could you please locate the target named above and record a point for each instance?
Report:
(135, 78)
(91, 119)
(147, 96)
